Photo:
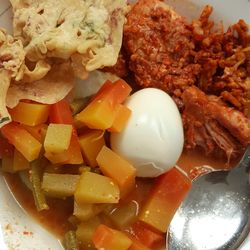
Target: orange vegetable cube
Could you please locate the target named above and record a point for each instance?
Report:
(31, 114)
(97, 115)
(95, 188)
(58, 137)
(74, 150)
(38, 131)
(146, 236)
(121, 117)
(164, 199)
(117, 168)
(109, 239)
(91, 143)
(137, 245)
(115, 92)
(23, 141)
(100, 113)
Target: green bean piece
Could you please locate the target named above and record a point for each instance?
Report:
(79, 104)
(59, 185)
(38, 194)
(70, 241)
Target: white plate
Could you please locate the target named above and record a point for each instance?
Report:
(14, 222)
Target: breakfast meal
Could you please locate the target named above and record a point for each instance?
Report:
(169, 101)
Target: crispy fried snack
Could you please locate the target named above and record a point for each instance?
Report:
(89, 33)
(11, 61)
(50, 89)
(18, 82)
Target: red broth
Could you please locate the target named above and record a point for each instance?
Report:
(56, 218)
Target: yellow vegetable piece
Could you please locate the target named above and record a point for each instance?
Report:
(91, 143)
(121, 117)
(57, 158)
(87, 211)
(85, 231)
(16, 162)
(122, 216)
(117, 168)
(57, 138)
(20, 162)
(95, 188)
(97, 115)
(31, 114)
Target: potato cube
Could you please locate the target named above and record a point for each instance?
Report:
(57, 139)
(95, 188)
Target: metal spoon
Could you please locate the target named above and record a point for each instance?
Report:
(215, 213)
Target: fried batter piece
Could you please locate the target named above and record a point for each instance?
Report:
(18, 82)
(210, 124)
(159, 43)
(11, 59)
(89, 32)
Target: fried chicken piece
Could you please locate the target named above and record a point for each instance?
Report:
(159, 46)
(212, 125)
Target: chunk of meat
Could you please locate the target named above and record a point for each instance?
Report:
(224, 58)
(159, 46)
(212, 125)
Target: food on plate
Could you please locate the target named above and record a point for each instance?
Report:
(104, 157)
(152, 139)
(163, 50)
(50, 89)
(89, 33)
(12, 66)
(209, 122)
(86, 35)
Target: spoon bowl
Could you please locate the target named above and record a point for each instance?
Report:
(216, 212)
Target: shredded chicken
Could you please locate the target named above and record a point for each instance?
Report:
(210, 124)
(224, 59)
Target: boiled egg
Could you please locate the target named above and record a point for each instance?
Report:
(153, 137)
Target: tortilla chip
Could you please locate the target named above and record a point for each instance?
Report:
(50, 89)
